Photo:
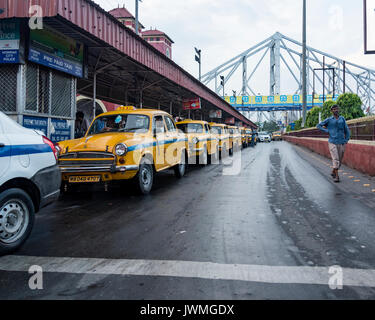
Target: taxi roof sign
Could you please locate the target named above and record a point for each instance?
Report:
(125, 108)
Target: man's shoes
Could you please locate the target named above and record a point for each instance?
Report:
(335, 175)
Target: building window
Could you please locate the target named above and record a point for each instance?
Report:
(167, 53)
(37, 89)
(157, 39)
(45, 88)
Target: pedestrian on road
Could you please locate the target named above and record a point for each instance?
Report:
(81, 125)
(339, 135)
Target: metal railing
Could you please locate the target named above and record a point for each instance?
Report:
(360, 129)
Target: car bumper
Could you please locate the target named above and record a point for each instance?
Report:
(48, 181)
(112, 169)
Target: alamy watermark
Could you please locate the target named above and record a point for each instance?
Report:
(36, 280)
(36, 17)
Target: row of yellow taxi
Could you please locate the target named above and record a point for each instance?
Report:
(134, 144)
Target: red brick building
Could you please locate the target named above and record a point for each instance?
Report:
(124, 16)
(156, 38)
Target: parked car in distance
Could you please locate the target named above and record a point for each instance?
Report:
(202, 145)
(264, 136)
(276, 136)
(29, 180)
(220, 131)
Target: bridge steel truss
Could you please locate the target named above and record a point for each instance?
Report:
(338, 75)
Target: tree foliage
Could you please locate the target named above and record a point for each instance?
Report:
(271, 126)
(350, 108)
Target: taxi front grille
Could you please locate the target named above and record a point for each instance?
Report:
(87, 155)
(87, 161)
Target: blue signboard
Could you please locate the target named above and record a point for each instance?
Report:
(57, 63)
(9, 56)
(61, 130)
(269, 109)
(9, 42)
(36, 123)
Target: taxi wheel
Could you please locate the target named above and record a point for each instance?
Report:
(145, 177)
(16, 219)
(180, 169)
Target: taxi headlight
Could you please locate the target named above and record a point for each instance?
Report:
(195, 140)
(121, 149)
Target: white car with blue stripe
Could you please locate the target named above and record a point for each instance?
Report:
(29, 180)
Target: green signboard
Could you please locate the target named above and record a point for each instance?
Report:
(9, 30)
(55, 50)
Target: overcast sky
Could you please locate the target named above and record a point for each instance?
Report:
(223, 28)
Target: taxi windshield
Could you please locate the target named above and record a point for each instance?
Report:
(190, 127)
(217, 130)
(120, 123)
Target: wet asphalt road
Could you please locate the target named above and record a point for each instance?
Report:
(282, 209)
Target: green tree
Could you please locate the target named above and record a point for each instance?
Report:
(271, 126)
(350, 106)
(312, 118)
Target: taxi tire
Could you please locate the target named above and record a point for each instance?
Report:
(22, 196)
(145, 168)
(179, 172)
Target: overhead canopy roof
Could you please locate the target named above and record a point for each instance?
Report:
(127, 68)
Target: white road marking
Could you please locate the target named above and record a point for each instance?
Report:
(189, 269)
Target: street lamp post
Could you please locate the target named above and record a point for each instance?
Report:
(136, 17)
(198, 58)
(304, 73)
(222, 84)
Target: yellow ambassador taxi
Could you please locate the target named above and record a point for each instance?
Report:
(244, 137)
(124, 144)
(221, 132)
(234, 139)
(202, 145)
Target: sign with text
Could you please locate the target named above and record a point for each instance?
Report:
(369, 26)
(216, 114)
(36, 123)
(191, 104)
(54, 50)
(9, 42)
(230, 120)
(61, 130)
(277, 101)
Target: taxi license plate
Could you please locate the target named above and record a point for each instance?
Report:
(84, 179)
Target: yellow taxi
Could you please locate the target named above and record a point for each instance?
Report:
(276, 136)
(244, 137)
(220, 131)
(234, 139)
(125, 144)
(249, 136)
(202, 144)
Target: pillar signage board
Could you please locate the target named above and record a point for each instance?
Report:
(192, 104)
(57, 51)
(9, 42)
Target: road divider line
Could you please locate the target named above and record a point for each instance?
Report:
(190, 269)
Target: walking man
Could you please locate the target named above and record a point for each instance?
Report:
(339, 135)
